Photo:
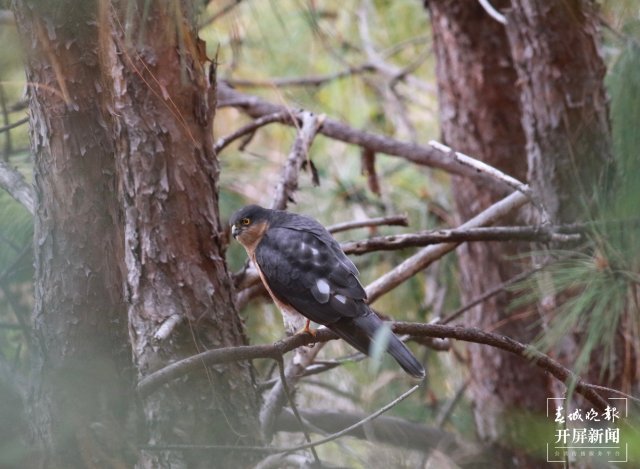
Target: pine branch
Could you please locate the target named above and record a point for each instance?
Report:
(422, 155)
(423, 258)
(274, 351)
(541, 234)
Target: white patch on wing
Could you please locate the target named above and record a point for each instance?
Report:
(341, 298)
(314, 251)
(321, 290)
(323, 286)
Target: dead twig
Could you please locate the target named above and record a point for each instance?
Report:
(220, 13)
(385, 429)
(275, 399)
(315, 81)
(541, 234)
(299, 153)
(250, 129)
(423, 258)
(419, 154)
(332, 437)
(393, 220)
(496, 174)
(13, 182)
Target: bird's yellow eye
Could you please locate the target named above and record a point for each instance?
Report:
(245, 221)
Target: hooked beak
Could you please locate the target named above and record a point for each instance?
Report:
(235, 231)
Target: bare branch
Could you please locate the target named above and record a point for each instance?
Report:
(393, 220)
(317, 80)
(220, 13)
(15, 124)
(13, 182)
(322, 441)
(493, 13)
(422, 155)
(275, 398)
(510, 345)
(250, 128)
(358, 424)
(423, 258)
(541, 234)
(390, 430)
(288, 184)
(496, 174)
(249, 352)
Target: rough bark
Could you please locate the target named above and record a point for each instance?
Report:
(569, 144)
(178, 287)
(480, 115)
(79, 396)
(565, 108)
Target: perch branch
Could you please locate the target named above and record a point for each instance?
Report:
(249, 352)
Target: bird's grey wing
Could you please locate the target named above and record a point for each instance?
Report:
(303, 271)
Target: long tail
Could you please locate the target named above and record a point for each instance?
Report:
(359, 332)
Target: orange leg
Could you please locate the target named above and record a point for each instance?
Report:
(306, 329)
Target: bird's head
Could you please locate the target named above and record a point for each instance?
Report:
(249, 224)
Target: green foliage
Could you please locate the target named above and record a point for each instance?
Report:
(597, 287)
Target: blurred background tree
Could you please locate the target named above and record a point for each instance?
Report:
(131, 255)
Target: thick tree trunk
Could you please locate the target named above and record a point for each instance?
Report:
(178, 286)
(79, 398)
(480, 115)
(565, 107)
(569, 145)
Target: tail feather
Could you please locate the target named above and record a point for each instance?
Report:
(359, 332)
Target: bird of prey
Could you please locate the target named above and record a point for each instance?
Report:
(305, 271)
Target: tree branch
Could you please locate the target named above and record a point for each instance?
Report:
(422, 155)
(13, 182)
(250, 352)
(391, 430)
(316, 80)
(393, 220)
(494, 173)
(543, 234)
(299, 153)
(250, 129)
(423, 258)
(15, 124)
